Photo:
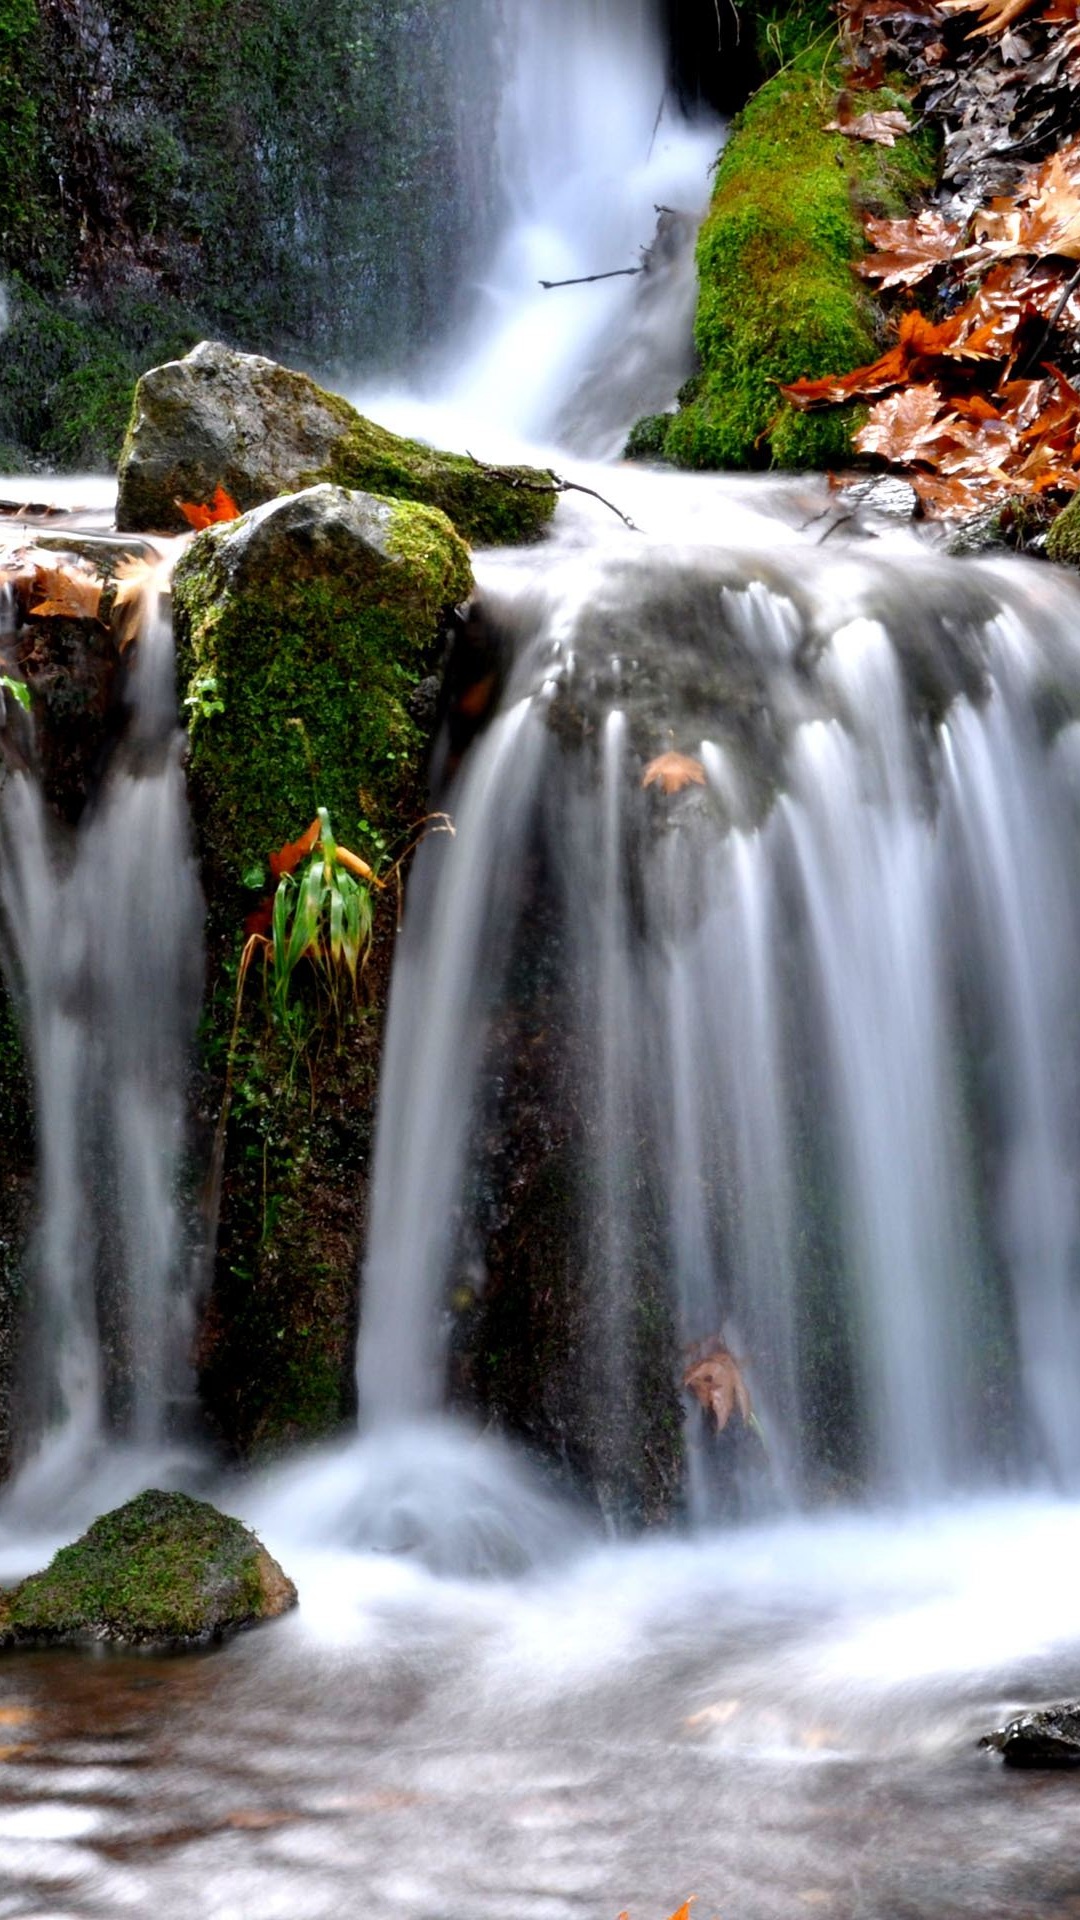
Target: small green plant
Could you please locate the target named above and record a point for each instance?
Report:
(204, 701)
(322, 914)
(18, 690)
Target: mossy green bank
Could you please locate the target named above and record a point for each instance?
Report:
(778, 299)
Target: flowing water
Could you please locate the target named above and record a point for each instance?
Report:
(818, 1010)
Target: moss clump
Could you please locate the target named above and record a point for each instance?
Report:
(507, 506)
(163, 1570)
(302, 630)
(778, 300)
(1063, 539)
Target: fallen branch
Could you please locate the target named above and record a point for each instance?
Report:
(509, 478)
(589, 279)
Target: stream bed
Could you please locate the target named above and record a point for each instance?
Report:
(780, 1719)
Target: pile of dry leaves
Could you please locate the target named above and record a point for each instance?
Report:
(978, 401)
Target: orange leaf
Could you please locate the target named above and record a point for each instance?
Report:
(684, 1910)
(671, 772)
(222, 507)
(718, 1385)
(288, 858)
(67, 591)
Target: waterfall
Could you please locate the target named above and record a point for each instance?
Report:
(102, 951)
(819, 1011)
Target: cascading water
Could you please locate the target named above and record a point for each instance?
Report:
(102, 950)
(847, 1107)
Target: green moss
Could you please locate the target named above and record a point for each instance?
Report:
(20, 55)
(1063, 539)
(778, 300)
(313, 669)
(648, 437)
(508, 506)
(68, 369)
(164, 1569)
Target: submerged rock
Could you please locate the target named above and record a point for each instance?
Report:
(302, 629)
(1045, 1737)
(164, 1570)
(234, 420)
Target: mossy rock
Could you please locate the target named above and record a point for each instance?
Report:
(164, 1570)
(778, 300)
(302, 629)
(1063, 539)
(237, 421)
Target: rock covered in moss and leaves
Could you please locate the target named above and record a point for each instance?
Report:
(234, 420)
(1063, 539)
(164, 1570)
(1045, 1737)
(302, 630)
(777, 295)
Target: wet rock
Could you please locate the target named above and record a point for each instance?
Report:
(234, 420)
(884, 494)
(162, 1571)
(302, 630)
(1045, 1737)
(1063, 539)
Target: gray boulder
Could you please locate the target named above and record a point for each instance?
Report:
(257, 430)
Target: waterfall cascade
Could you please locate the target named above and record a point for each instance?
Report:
(102, 950)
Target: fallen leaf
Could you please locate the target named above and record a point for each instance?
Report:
(880, 128)
(222, 507)
(718, 1385)
(133, 577)
(288, 858)
(67, 592)
(907, 251)
(16, 1716)
(994, 15)
(671, 772)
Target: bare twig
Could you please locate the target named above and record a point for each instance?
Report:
(554, 484)
(587, 279)
(1032, 359)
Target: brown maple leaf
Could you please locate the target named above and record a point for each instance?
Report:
(288, 858)
(64, 589)
(880, 128)
(994, 15)
(907, 426)
(909, 250)
(133, 579)
(717, 1383)
(221, 507)
(671, 772)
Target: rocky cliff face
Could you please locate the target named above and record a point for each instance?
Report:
(283, 173)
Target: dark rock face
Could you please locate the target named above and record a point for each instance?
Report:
(162, 1571)
(237, 421)
(1045, 1737)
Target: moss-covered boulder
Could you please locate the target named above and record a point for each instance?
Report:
(302, 630)
(237, 421)
(1063, 539)
(164, 1570)
(778, 299)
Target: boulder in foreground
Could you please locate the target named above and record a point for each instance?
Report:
(234, 420)
(1045, 1737)
(162, 1571)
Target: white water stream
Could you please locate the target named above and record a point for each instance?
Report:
(825, 1010)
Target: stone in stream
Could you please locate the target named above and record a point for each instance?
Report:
(162, 1571)
(234, 420)
(1044, 1737)
(302, 631)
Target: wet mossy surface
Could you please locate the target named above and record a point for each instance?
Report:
(297, 177)
(1063, 539)
(296, 668)
(164, 1570)
(778, 300)
(314, 643)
